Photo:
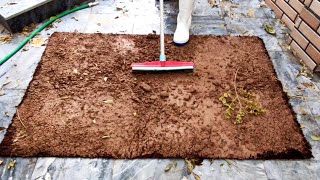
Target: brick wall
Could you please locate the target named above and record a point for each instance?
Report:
(303, 19)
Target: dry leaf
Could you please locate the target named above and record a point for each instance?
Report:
(109, 101)
(196, 176)
(263, 6)
(6, 83)
(213, 3)
(75, 18)
(192, 163)
(12, 164)
(251, 13)
(171, 166)
(269, 29)
(2, 92)
(6, 114)
(5, 39)
(106, 137)
(28, 29)
(302, 126)
(105, 79)
(315, 138)
(38, 42)
(75, 71)
(190, 166)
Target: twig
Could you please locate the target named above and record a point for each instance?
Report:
(235, 89)
(21, 120)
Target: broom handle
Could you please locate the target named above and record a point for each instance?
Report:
(162, 53)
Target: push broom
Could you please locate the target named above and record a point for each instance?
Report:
(162, 65)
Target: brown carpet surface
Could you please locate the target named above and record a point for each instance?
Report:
(84, 101)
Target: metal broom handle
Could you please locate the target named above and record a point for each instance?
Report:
(162, 53)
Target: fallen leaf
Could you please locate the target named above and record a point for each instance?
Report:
(12, 164)
(251, 13)
(38, 42)
(171, 166)
(28, 29)
(1, 162)
(109, 101)
(2, 92)
(315, 138)
(105, 79)
(196, 176)
(269, 29)
(263, 6)
(106, 137)
(5, 39)
(58, 20)
(213, 3)
(302, 126)
(120, 6)
(75, 71)
(75, 18)
(190, 166)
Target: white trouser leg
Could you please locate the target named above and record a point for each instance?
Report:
(181, 34)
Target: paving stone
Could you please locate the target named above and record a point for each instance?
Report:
(75, 168)
(201, 25)
(108, 23)
(143, 17)
(8, 103)
(230, 169)
(22, 170)
(21, 72)
(299, 169)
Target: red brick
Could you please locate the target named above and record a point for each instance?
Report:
(315, 7)
(310, 19)
(299, 38)
(289, 39)
(313, 53)
(297, 22)
(311, 35)
(287, 9)
(275, 8)
(307, 2)
(297, 5)
(287, 21)
(303, 56)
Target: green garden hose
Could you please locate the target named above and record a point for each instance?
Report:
(6, 58)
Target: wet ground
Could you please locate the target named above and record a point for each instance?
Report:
(141, 17)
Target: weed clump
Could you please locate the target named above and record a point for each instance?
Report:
(240, 103)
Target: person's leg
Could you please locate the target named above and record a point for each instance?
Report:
(181, 35)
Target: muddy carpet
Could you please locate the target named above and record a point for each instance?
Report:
(84, 101)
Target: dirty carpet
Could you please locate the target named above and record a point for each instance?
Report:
(84, 101)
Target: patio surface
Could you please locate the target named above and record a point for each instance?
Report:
(142, 17)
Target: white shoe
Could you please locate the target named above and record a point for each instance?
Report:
(181, 35)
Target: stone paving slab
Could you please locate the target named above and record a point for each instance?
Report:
(142, 18)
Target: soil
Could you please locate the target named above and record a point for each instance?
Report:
(84, 101)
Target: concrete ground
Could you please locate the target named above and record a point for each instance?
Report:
(142, 17)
